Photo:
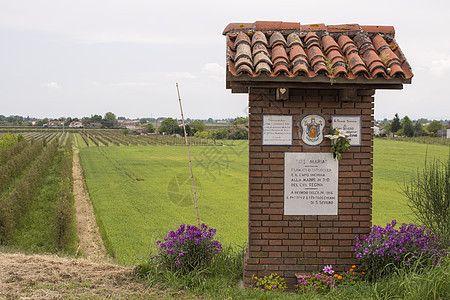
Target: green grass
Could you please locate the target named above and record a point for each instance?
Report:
(137, 199)
(394, 164)
(141, 193)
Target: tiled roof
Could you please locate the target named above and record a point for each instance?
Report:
(317, 51)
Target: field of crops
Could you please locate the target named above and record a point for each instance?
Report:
(36, 197)
(147, 190)
(100, 137)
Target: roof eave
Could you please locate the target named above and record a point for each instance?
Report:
(306, 82)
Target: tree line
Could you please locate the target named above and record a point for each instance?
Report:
(406, 127)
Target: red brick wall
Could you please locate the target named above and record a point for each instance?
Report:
(285, 244)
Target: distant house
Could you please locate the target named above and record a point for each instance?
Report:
(128, 125)
(376, 130)
(55, 123)
(75, 124)
(444, 133)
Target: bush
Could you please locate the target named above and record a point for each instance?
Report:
(428, 196)
(7, 140)
(187, 248)
(387, 249)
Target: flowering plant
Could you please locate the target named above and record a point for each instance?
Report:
(387, 248)
(339, 142)
(320, 282)
(187, 248)
(269, 283)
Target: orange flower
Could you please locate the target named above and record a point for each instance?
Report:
(353, 266)
(336, 275)
(364, 273)
(351, 270)
(339, 277)
(354, 273)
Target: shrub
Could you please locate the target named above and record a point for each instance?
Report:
(7, 140)
(428, 196)
(386, 249)
(188, 248)
(269, 283)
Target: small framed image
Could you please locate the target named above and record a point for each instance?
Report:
(350, 126)
(277, 130)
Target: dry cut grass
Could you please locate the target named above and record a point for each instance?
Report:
(51, 277)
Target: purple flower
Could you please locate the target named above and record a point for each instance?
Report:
(328, 269)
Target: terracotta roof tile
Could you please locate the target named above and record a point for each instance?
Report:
(291, 50)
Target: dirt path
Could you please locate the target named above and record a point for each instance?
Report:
(91, 243)
(51, 277)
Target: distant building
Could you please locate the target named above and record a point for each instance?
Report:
(55, 123)
(76, 124)
(376, 130)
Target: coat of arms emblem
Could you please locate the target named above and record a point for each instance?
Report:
(312, 127)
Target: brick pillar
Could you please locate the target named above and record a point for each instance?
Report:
(286, 244)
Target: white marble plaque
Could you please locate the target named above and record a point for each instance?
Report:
(350, 126)
(310, 184)
(277, 130)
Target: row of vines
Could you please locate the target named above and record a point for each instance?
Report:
(94, 137)
(25, 169)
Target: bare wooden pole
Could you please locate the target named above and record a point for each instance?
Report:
(189, 156)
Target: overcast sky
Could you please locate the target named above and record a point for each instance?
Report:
(77, 58)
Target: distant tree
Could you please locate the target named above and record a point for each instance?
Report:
(197, 126)
(150, 128)
(68, 121)
(143, 121)
(210, 120)
(42, 122)
(169, 126)
(86, 120)
(408, 126)
(238, 133)
(434, 127)
(396, 126)
(240, 120)
(110, 121)
(387, 128)
(221, 134)
(96, 119)
(418, 129)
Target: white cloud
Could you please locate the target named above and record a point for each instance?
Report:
(214, 71)
(440, 67)
(52, 85)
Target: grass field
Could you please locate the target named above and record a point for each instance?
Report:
(140, 193)
(394, 164)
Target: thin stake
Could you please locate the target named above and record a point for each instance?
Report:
(189, 156)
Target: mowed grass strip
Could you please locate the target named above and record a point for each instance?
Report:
(140, 193)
